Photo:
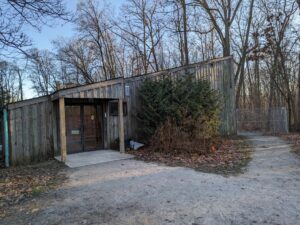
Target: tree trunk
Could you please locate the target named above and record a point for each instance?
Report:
(298, 122)
(239, 87)
(20, 85)
(257, 97)
(272, 94)
(186, 49)
(226, 42)
(145, 63)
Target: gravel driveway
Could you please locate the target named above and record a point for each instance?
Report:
(134, 192)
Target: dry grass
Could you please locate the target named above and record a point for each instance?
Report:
(294, 140)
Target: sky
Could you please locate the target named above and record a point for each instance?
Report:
(43, 39)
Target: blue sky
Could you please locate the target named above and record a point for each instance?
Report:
(42, 39)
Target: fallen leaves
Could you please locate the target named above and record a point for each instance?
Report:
(226, 156)
(20, 183)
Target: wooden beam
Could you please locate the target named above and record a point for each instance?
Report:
(27, 102)
(121, 126)
(62, 129)
(102, 84)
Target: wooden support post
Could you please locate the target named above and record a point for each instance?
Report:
(121, 126)
(62, 129)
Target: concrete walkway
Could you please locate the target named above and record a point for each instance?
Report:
(134, 192)
(93, 157)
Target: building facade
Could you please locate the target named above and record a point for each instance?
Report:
(100, 115)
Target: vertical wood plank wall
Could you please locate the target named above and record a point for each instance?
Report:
(218, 72)
(113, 129)
(31, 131)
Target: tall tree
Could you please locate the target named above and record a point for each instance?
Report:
(11, 81)
(80, 61)
(222, 14)
(142, 31)
(298, 118)
(93, 25)
(243, 33)
(179, 19)
(185, 31)
(43, 72)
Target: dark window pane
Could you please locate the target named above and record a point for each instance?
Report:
(113, 108)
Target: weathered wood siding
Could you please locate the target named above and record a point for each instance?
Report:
(218, 72)
(33, 123)
(31, 132)
(111, 89)
(112, 129)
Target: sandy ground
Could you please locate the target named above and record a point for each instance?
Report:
(134, 192)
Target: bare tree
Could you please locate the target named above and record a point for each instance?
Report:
(243, 29)
(16, 14)
(183, 10)
(222, 14)
(142, 31)
(271, 79)
(11, 81)
(279, 17)
(298, 103)
(80, 61)
(43, 71)
(20, 74)
(93, 25)
(177, 10)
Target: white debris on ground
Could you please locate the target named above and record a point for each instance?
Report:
(135, 145)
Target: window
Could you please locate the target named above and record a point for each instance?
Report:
(113, 108)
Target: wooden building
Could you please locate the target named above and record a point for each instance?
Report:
(100, 115)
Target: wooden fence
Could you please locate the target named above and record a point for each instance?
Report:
(273, 120)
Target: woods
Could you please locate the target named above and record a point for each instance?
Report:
(143, 36)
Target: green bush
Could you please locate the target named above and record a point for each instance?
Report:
(182, 108)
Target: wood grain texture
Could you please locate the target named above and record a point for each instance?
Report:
(121, 126)
(30, 129)
(62, 129)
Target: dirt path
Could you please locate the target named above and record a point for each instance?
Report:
(134, 192)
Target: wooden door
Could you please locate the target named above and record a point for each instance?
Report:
(84, 128)
(90, 133)
(73, 129)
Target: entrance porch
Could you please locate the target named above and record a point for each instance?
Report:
(93, 157)
(84, 124)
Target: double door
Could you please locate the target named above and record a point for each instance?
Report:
(84, 128)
